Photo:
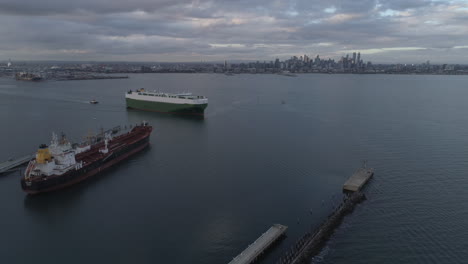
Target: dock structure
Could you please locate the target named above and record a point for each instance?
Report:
(254, 250)
(312, 242)
(358, 179)
(12, 163)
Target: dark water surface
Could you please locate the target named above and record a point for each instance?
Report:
(272, 149)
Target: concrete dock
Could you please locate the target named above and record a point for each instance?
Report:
(358, 179)
(254, 250)
(12, 163)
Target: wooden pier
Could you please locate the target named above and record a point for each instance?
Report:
(12, 163)
(312, 242)
(358, 179)
(254, 250)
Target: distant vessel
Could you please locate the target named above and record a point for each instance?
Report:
(93, 102)
(287, 73)
(26, 76)
(60, 165)
(183, 103)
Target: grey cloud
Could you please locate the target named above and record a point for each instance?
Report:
(259, 29)
(405, 4)
(47, 7)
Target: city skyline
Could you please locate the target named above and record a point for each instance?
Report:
(354, 56)
(391, 31)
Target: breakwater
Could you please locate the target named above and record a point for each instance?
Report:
(88, 77)
(310, 244)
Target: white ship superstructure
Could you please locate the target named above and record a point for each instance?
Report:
(55, 159)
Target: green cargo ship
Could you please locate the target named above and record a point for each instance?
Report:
(184, 103)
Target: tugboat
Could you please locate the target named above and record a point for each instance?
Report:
(59, 165)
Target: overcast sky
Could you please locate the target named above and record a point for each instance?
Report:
(198, 30)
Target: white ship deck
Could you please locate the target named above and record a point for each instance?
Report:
(183, 98)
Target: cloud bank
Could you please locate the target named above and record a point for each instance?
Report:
(196, 30)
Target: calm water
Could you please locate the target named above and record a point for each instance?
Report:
(272, 149)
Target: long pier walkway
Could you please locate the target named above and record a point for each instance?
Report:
(312, 242)
(254, 250)
(12, 163)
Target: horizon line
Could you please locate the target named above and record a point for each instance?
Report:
(213, 61)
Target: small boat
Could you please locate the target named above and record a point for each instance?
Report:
(93, 102)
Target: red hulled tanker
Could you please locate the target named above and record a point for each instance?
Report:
(60, 165)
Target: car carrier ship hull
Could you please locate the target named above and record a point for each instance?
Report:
(196, 109)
